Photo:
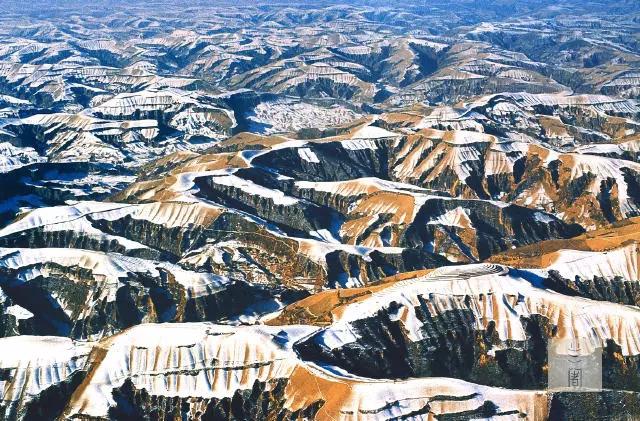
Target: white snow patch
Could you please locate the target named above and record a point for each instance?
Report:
(359, 144)
(278, 197)
(372, 132)
(543, 217)
(18, 312)
(308, 155)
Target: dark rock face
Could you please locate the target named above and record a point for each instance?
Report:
(342, 266)
(11, 326)
(517, 226)
(454, 347)
(48, 405)
(141, 298)
(295, 220)
(617, 290)
(619, 371)
(600, 405)
(53, 183)
(38, 238)
(259, 403)
(338, 162)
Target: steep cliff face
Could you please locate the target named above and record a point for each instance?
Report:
(88, 295)
(39, 375)
(482, 323)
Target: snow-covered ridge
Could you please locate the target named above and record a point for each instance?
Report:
(13, 157)
(283, 116)
(110, 269)
(621, 262)
(74, 217)
(36, 363)
(209, 361)
(602, 101)
(188, 360)
(359, 186)
(187, 111)
(247, 186)
(590, 322)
